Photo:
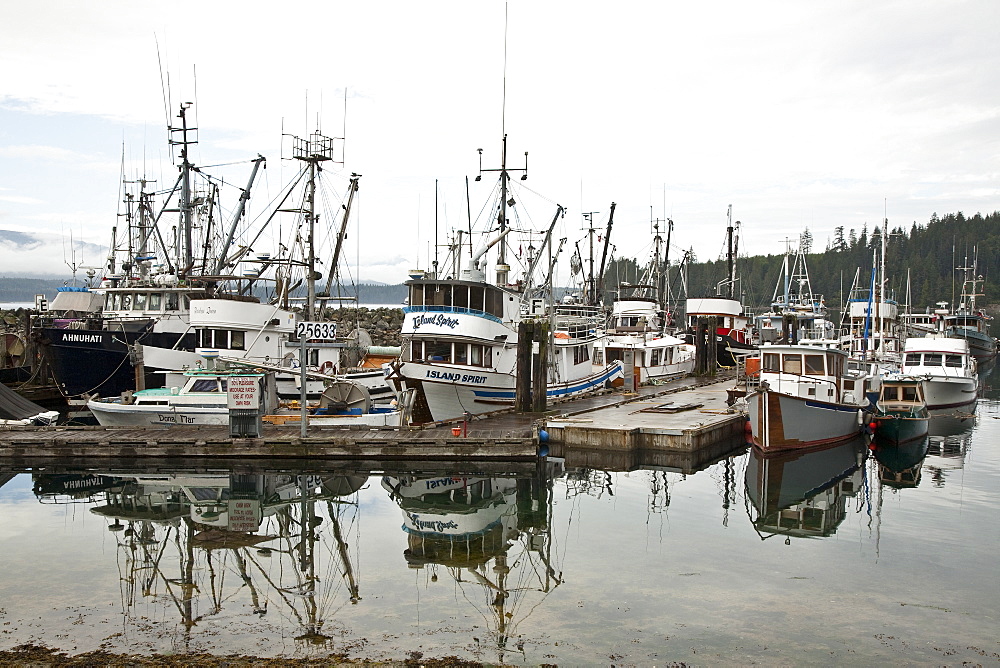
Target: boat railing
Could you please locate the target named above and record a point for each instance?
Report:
(451, 309)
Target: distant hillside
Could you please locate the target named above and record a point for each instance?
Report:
(25, 289)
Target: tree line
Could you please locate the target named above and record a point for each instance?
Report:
(921, 263)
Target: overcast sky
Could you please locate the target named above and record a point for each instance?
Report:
(798, 114)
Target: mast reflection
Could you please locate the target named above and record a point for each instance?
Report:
(489, 533)
(179, 535)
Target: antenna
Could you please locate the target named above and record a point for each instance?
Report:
(503, 112)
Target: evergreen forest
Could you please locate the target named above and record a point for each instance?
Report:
(926, 255)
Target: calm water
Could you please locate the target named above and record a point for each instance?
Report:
(808, 560)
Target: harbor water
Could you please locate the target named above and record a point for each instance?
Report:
(851, 554)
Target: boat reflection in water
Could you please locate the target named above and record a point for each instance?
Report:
(489, 534)
(949, 441)
(804, 493)
(899, 464)
(178, 535)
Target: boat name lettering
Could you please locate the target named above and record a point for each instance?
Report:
(456, 376)
(81, 338)
(438, 482)
(440, 319)
(176, 418)
(432, 525)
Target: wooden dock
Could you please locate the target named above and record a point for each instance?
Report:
(678, 426)
(19, 445)
(645, 426)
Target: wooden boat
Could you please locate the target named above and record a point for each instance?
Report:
(901, 414)
(806, 397)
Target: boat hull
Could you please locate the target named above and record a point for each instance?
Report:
(446, 393)
(957, 393)
(96, 361)
(781, 421)
(900, 427)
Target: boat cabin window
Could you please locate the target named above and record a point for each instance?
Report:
(953, 360)
(172, 301)
(598, 357)
(771, 362)
(581, 354)
(909, 393)
(791, 364)
(416, 350)
(437, 351)
(140, 301)
(890, 393)
(416, 295)
(912, 359)
(461, 296)
(654, 357)
(814, 365)
(205, 385)
(441, 296)
(494, 302)
(155, 302)
(932, 359)
(126, 302)
(835, 365)
(477, 299)
(461, 353)
(236, 340)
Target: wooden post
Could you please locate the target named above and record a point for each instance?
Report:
(712, 349)
(522, 379)
(540, 380)
(699, 347)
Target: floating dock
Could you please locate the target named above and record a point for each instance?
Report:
(680, 424)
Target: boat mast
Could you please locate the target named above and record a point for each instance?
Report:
(185, 258)
(313, 151)
(502, 268)
(604, 253)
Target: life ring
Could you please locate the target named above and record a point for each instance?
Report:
(327, 368)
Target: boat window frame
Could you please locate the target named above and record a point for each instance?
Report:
(788, 363)
(811, 369)
(771, 363)
(953, 360)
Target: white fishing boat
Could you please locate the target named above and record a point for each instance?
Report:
(948, 369)
(201, 397)
(806, 397)
(461, 335)
(638, 328)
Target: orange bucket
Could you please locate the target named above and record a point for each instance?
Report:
(456, 431)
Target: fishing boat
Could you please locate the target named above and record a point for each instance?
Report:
(806, 397)
(202, 396)
(733, 330)
(969, 322)
(462, 335)
(795, 314)
(637, 331)
(901, 413)
(948, 369)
